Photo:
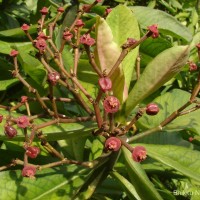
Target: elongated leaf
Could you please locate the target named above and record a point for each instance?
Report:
(169, 103)
(128, 187)
(167, 24)
(160, 70)
(31, 65)
(53, 132)
(110, 35)
(61, 184)
(139, 179)
(5, 47)
(5, 84)
(182, 159)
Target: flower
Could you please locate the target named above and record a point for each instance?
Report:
(198, 46)
(86, 39)
(29, 171)
(105, 84)
(113, 144)
(40, 44)
(79, 23)
(53, 77)
(14, 53)
(44, 11)
(108, 10)
(192, 66)
(25, 27)
(32, 151)
(152, 109)
(61, 9)
(111, 104)
(139, 154)
(86, 8)
(1, 118)
(153, 29)
(190, 139)
(10, 131)
(22, 122)
(41, 35)
(67, 35)
(24, 99)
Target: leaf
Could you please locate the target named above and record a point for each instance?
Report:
(53, 132)
(139, 179)
(182, 159)
(126, 185)
(31, 65)
(110, 35)
(5, 47)
(168, 103)
(160, 70)
(167, 24)
(52, 184)
(5, 84)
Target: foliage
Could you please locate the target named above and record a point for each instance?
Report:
(66, 110)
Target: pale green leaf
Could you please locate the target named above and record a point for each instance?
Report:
(160, 70)
(5, 84)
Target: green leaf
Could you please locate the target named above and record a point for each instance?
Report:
(182, 159)
(126, 185)
(5, 47)
(31, 65)
(52, 184)
(139, 179)
(160, 70)
(110, 35)
(5, 84)
(167, 24)
(168, 103)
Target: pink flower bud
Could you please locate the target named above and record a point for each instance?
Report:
(32, 151)
(113, 144)
(108, 10)
(152, 109)
(190, 139)
(44, 11)
(29, 171)
(105, 84)
(10, 131)
(67, 35)
(192, 66)
(198, 46)
(86, 8)
(41, 35)
(61, 9)
(41, 45)
(14, 53)
(22, 122)
(111, 104)
(153, 30)
(24, 99)
(79, 23)
(139, 154)
(53, 77)
(25, 27)
(1, 118)
(86, 39)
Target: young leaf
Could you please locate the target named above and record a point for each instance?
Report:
(160, 70)
(110, 35)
